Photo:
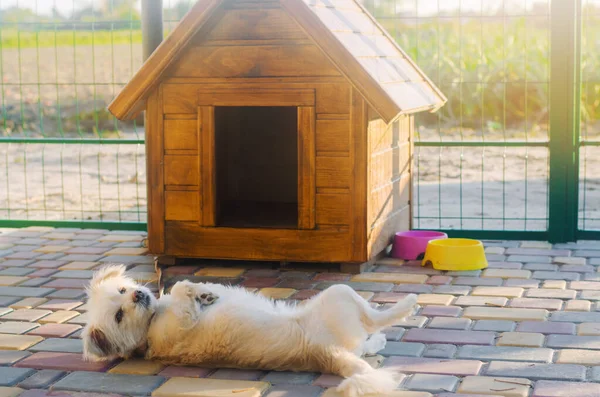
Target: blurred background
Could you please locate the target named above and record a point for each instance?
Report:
(482, 161)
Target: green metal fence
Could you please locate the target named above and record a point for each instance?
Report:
(501, 159)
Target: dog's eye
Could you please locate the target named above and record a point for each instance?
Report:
(122, 290)
(119, 316)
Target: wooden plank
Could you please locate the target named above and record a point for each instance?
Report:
(381, 235)
(332, 190)
(306, 167)
(332, 116)
(179, 99)
(181, 188)
(333, 172)
(359, 181)
(190, 240)
(389, 165)
(208, 167)
(251, 82)
(259, 61)
(383, 136)
(130, 100)
(181, 170)
(181, 134)
(182, 152)
(388, 199)
(333, 98)
(333, 135)
(155, 172)
(249, 24)
(182, 206)
(256, 97)
(333, 209)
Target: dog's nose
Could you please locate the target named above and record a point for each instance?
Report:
(137, 296)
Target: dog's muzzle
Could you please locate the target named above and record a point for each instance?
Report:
(141, 298)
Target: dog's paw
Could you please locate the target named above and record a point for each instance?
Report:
(411, 299)
(183, 289)
(206, 298)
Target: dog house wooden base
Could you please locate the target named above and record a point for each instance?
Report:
(277, 130)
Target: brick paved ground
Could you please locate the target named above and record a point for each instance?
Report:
(527, 326)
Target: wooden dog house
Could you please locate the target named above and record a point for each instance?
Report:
(278, 130)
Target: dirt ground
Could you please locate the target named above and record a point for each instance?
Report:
(491, 188)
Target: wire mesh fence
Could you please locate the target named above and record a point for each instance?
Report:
(482, 161)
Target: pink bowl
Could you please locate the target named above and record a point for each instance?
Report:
(411, 245)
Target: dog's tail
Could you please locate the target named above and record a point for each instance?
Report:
(376, 319)
(362, 379)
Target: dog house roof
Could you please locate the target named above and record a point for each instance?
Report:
(354, 42)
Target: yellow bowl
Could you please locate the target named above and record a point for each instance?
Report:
(455, 254)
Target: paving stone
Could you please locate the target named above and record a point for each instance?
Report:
(497, 301)
(573, 342)
(16, 327)
(358, 286)
(524, 339)
(23, 255)
(397, 393)
(591, 276)
(42, 273)
(393, 333)
(237, 374)
(59, 316)
(328, 380)
(508, 387)
(465, 395)
(578, 268)
(11, 280)
(59, 345)
(28, 303)
(439, 280)
(432, 383)
(529, 258)
(521, 283)
(413, 288)
(16, 271)
(18, 342)
(52, 248)
(536, 303)
(67, 294)
(476, 281)
(196, 387)
(433, 366)
(25, 291)
(494, 325)
(509, 353)
(127, 251)
(8, 300)
(536, 370)
(578, 356)
(557, 284)
(495, 250)
(506, 273)
(551, 293)
(109, 383)
(505, 265)
(79, 265)
(447, 336)
(10, 357)
(541, 266)
(439, 350)
(500, 313)
(449, 323)
(589, 329)
(585, 285)
(55, 330)
(434, 299)
(544, 327)
(403, 349)
(442, 311)
(294, 391)
(565, 389)
(452, 290)
(67, 283)
(42, 379)
(60, 304)
(189, 372)
(63, 361)
(26, 315)
(47, 264)
(125, 259)
(35, 282)
(576, 317)
(289, 377)
(220, 272)
(86, 274)
(277, 293)
(137, 367)
(562, 275)
(17, 263)
(12, 376)
(508, 292)
(578, 305)
(536, 251)
(396, 278)
(587, 253)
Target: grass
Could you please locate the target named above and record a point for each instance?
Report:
(12, 38)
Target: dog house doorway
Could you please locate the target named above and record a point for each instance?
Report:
(256, 159)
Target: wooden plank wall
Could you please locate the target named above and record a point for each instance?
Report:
(254, 47)
(390, 170)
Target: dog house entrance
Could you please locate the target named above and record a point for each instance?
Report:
(256, 150)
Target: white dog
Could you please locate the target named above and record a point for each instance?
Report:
(215, 325)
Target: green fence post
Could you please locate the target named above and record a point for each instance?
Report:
(564, 159)
(152, 26)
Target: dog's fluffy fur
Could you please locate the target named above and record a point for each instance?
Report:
(215, 325)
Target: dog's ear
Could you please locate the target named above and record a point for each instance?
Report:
(106, 273)
(96, 345)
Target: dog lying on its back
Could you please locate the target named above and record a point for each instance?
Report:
(214, 325)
